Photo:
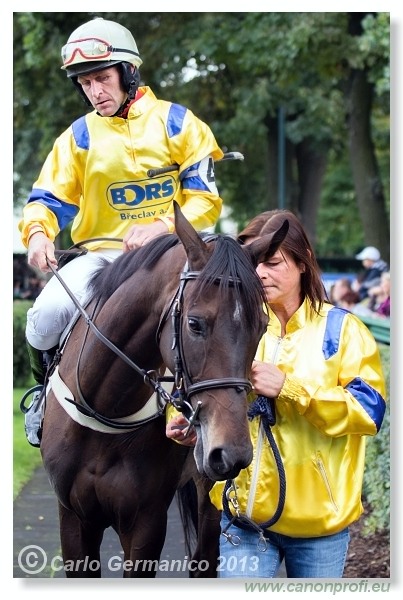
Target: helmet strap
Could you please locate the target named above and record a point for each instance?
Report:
(123, 108)
(130, 79)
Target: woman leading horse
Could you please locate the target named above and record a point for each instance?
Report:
(188, 303)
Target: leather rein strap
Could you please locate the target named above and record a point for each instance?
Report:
(183, 383)
(147, 376)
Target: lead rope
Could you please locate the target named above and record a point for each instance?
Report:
(263, 407)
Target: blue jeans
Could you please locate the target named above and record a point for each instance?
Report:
(304, 557)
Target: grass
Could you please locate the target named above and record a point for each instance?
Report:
(26, 458)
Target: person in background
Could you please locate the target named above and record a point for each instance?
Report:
(340, 288)
(96, 176)
(349, 300)
(380, 296)
(374, 266)
(321, 367)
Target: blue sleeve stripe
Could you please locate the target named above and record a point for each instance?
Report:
(81, 134)
(64, 211)
(194, 183)
(370, 400)
(191, 181)
(331, 340)
(191, 171)
(176, 116)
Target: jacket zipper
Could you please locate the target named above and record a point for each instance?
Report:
(323, 473)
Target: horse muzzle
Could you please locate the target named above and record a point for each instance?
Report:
(222, 462)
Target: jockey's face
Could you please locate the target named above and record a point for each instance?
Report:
(104, 90)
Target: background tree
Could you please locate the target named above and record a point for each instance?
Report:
(285, 89)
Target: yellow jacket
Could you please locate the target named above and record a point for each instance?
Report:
(333, 396)
(96, 174)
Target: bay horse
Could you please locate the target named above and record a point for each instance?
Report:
(185, 302)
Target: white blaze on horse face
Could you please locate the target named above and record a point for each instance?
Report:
(238, 312)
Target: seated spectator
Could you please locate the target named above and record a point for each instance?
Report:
(380, 296)
(374, 266)
(16, 289)
(341, 287)
(349, 300)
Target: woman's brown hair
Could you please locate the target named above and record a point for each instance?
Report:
(296, 244)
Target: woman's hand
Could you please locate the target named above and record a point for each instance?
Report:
(177, 428)
(267, 379)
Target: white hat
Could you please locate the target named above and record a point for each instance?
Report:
(370, 253)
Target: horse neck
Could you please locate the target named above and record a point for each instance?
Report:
(129, 319)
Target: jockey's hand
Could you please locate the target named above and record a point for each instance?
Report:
(41, 248)
(177, 428)
(138, 235)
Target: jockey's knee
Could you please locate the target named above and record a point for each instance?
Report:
(46, 324)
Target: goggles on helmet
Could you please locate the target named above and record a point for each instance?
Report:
(90, 49)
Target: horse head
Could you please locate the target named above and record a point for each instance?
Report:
(221, 320)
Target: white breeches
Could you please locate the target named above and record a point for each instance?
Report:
(53, 309)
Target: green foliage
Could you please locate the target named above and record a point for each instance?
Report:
(376, 489)
(21, 368)
(374, 45)
(44, 105)
(338, 207)
(234, 70)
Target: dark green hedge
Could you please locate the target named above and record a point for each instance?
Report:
(376, 490)
(22, 376)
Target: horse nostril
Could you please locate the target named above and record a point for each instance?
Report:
(223, 467)
(218, 462)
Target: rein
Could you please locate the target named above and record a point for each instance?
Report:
(185, 387)
(146, 375)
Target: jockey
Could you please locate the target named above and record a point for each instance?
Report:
(96, 178)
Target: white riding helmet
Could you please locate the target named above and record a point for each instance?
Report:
(97, 45)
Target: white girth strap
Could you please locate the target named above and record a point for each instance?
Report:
(61, 392)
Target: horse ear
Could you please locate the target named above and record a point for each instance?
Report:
(192, 242)
(262, 249)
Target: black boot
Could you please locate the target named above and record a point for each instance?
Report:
(40, 360)
(38, 363)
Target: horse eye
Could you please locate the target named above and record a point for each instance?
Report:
(196, 326)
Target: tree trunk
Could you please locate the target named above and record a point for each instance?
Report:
(311, 164)
(364, 165)
(358, 94)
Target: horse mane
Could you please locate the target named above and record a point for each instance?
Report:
(228, 267)
(110, 275)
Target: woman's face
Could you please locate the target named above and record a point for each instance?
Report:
(281, 278)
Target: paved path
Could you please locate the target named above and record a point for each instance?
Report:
(36, 524)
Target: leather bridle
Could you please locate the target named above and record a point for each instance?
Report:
(185, 388)
(183, 381)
